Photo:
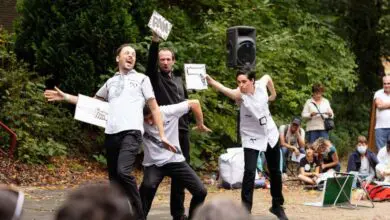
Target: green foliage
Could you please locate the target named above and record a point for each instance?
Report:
(293, 46)
(100, 158)
(73, 41)
(299, 42)
(384, 27)
(43, 130)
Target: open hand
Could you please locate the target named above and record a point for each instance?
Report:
(168, 145)
(54, 95)
(202, 128)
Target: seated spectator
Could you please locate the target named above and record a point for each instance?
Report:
(383, 167)
(362, 161)
(221, 208)
(11, 203)
(292, 140)
(309, 167)
(327, 155)
(96, 202)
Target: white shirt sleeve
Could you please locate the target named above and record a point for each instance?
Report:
(175, 110)
(147, 89)
(103, 92)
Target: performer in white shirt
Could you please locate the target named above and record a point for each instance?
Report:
(258, 133)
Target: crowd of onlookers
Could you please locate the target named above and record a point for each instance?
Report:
(320, 154)
(312, 148)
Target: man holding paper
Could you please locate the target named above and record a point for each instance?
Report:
(169, 89)
(126, 93)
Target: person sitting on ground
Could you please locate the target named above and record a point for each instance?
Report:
(309, 167)
(96, 202)
(383, 167)
(292, 140)
(11, 203)
(327, 155)
(221, 208)
(362, 161)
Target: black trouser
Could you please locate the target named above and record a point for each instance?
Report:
(182, 173)
(177, 190)
(272, 156)
(122, 149)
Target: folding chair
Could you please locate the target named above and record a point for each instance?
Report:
(345, 186)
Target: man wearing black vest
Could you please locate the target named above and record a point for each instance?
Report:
(169, 89)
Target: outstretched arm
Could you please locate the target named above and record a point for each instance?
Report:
(231, 93)
(58, 95)
(197, 110)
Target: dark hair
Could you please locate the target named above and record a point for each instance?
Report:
(221, 208)
(118, 51)
(170, 50)
(251, 75)
(317, 87)
(309, 146)
(146, 110)
(96, 202)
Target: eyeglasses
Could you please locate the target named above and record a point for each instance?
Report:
(386, 83)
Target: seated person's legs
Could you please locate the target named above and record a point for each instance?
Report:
(306, 179)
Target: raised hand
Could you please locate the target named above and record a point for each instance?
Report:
(155, 37)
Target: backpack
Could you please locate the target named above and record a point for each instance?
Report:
(378, 192)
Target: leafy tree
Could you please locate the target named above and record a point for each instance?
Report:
(43, 130)
(74, 41)
(296, 45)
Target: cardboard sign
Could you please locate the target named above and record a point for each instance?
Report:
(195, 76)
(160, 25)
(92, 111)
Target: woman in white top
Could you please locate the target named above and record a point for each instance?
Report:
(258, 133)
(314, 107)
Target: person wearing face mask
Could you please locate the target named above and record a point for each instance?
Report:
(362, 161)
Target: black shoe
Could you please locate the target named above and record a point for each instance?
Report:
(279, 212)
(183, 217)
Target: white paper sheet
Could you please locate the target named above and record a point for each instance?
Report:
(296, 158)
(195, 76)
(92, 111)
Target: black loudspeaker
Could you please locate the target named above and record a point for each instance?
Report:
(241, 47)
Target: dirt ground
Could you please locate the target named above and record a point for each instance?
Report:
(41, 203)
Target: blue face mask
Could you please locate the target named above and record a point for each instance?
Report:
(362, 149)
